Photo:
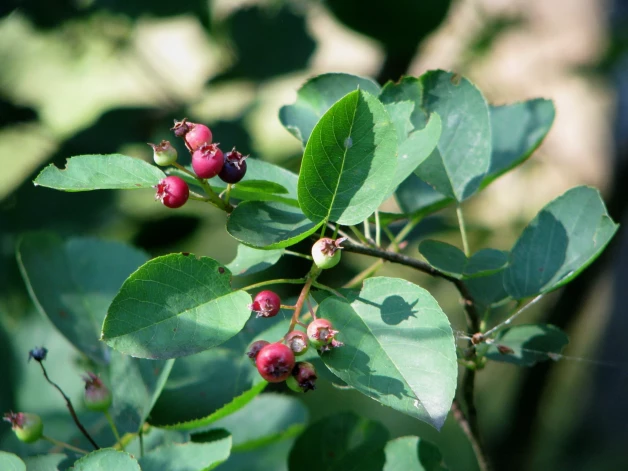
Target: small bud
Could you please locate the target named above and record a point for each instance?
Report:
(37, 354)
(163, 153)
(97, 395)
(27, 427)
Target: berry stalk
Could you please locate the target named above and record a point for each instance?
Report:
(311, 278)
(114, 429)
(213, 197)
(64, 445)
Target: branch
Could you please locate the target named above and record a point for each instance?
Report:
(473, 318)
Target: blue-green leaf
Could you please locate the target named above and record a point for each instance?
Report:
(412, 454)
(249, 260)
(107, 459)
(526, 345)
(187, 456)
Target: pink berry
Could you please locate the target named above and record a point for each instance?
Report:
(172, 191)
(97, 395)
(266, 304)
(207, 161)
(255, 348)
(198, 135)
(297, 341)
(275, 362)
(321, 334)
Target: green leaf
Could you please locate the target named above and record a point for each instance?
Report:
(100, 172)
(272, 457)
(463, 154)
(412, 454)
(73, 282)
(173, 306)
(135, 384)
(349, 162)
(49, 462)
(452, 261)
(249, 260)
(389, 319)
(204, 388)
(517, 131)
(488, 290)
(561, 241)
(407, 90)
(342, 442)
(485, 262)
(417, 198)
(269, 225)
(106, 459)
(187, 456)
(276, 417)
(444, 257)
(315, 97)
(529, 344)
(11, 462)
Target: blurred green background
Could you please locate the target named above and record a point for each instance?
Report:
(104, 76)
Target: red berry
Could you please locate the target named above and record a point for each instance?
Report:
(255, 348)
(303, 377)
(27, 427)
(207, 161)
(266, 304)
(172, 191)
(275, 362)
(97, 395)
(234, 168)
(297, 341)
(198, 135)
(321, 334)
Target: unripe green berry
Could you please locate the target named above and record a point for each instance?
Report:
(326, 252)
(164, 154)
(27, 427)
(97, 396)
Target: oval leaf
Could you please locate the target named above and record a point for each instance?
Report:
(11, 462)
(349, 161)
(100, 172)
(417, 198)
(444, 257)
(276, 417)
(399, 348)
(561, 241)
(527, 345)
(106, 459)
(342, 442)
(268, 225)
(249, 260)
(485, 262)
(173, 306)
(73, 282)
(203, 388)
(49, 462)
(517, 130)
(412, 454)
(463, 154)
(187, 456)
(315, 97)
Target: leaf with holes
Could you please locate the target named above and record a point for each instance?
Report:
(349, 162)
(315, 97)
(100, 172)
(173, 306)
(561, 241)
(390, 318)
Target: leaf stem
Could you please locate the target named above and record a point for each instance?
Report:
(318, 285)
(211, 194)
(359, 235)
(114, 429)
(364, 274)
(297, 254)
(228, 193)
(378, 230)
(68, 403)
(289, 281)
(64, 445)
(367, 229)
(463, 231)
(405, 230)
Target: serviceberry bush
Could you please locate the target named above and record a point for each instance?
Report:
(430, 143)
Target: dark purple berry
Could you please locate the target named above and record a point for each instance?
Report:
(37, 354)
(303, 377)
(255, 348)
(234, 168)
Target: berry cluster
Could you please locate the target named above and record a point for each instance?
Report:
(276, 362)
(207, 162)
